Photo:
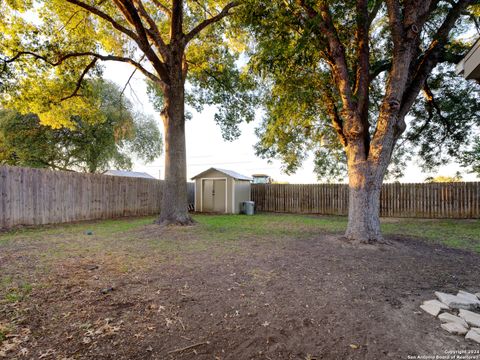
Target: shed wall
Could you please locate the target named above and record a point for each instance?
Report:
(242, 193)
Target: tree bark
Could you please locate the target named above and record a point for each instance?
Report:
(364, 204)
(174, 205)
(367, 166)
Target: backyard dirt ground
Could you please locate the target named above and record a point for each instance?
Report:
(279, 289)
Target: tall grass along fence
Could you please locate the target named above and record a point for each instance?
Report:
(37, 196)
(430, 200)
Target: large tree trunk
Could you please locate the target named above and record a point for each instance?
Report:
(174, 205)
(366, 170)
(364, 204)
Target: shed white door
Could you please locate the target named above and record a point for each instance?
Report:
(214, 195)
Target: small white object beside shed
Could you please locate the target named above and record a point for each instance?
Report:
(221, 191)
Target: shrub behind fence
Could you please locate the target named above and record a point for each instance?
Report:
(427, 200)
(38, 196)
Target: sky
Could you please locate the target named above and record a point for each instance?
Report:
(238, 155)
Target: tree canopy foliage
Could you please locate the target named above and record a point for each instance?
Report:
(291, 56)
(49, 47)
(89, 145)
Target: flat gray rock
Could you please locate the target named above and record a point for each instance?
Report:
(472, 319)
(433, 307)
(447, 318)
(468, 296)
(454, 328)
(473, 334)
(436, 302)
(457, 302)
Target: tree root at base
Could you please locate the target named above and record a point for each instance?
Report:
(175, 222)
(366, 241)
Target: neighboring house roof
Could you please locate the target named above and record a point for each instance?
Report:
(134, 174)
(260, 175)
(230, 173)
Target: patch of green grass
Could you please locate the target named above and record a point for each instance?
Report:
(5, 281)
(13, 297)
(231, 227)
(98, 228)
(4, 331)
(461, 234)
(18, 294)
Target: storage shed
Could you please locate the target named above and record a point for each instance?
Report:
(221, 191)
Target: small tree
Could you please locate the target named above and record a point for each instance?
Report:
(344, 75)
(88, 145)
(168, 43)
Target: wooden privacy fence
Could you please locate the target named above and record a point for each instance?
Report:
(429, 200)
(37, 196)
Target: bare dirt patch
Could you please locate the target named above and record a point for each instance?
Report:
(183, 294)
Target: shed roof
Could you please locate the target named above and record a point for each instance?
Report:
(134, 174)
(230, 173)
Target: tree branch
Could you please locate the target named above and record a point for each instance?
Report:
(106, 17)
(405, 28)
(379, 67)
(126, 14)
(163, 8)
(130, 13)
(80, 80)
(395, 20)
(65, 57)
(197, 29)
(336, 53)
(362, 81)
(132, 16)
(68, 21)
(204, 8)
(337, 122)
(130, 77)
(432, 56)
(385, 65)
(176, 24)
(432, 104)
(153, 32)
